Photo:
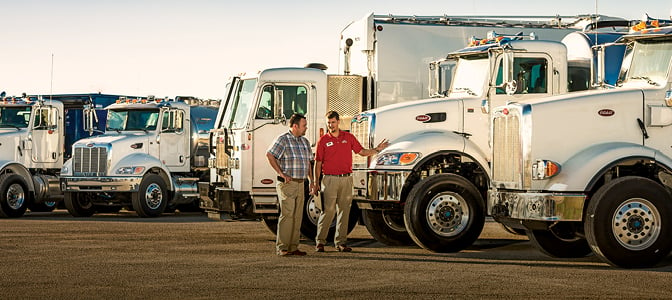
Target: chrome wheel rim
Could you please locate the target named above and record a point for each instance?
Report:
(447, 214)
(16, 196)
(153, 196)
(312, 212)
(636, 224)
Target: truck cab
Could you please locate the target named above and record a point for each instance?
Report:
(153, 153)
(429, 186)
(34, 134)
(258, 107)
(590, 172)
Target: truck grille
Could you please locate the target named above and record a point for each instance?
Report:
(90, 161)
(360, 128)
(507, 150)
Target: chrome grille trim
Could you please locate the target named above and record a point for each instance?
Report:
(89, 161)
(361, 127)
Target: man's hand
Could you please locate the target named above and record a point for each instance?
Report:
(383, 144)
(314, 188)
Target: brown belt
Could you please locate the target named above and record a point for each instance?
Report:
(299, 180)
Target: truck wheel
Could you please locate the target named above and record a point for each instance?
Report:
(444, 213)
(386, 227)
(152, 197)
(559, 241)
(628, 222)
(78, 204)
(311, 214)
(271, 222)
(14, 197)
(43, 206)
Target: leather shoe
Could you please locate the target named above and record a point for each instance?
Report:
(285, 253)
(343, 248)
(319, 248)
(298, 252)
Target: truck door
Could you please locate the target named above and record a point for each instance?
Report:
(46, 134)
(272, 119)
(174, 138)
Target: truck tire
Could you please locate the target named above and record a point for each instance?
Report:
(444, 213)
(152, 197)
(271, 222)
(14, 197)
(43, 206)
(386, 228)
(559, 241)
(628, 222)
(78, 205)
(311, 215)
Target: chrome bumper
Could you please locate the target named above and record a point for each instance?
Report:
(100, 184)
(378, 185)
(536, 206)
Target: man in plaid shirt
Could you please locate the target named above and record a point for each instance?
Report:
(290, 155)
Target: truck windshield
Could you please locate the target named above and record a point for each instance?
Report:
(241, 103)
(470, 76)
(650, 61)
(119, 120)
(16, 117)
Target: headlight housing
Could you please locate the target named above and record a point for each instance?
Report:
(130, 170)
(397, 159)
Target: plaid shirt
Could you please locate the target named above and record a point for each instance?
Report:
(293, 155)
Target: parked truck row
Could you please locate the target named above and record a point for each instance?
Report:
(554, 128)
(381, 63)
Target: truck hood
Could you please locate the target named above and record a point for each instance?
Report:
(9, 141)
(120, 141)
(394, 121)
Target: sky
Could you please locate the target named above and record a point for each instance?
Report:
(171, 48)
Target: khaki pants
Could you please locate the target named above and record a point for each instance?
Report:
(336, 199)
(290, 195)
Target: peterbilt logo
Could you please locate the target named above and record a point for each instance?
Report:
(606, 112)
(89, 145)
(423, 118)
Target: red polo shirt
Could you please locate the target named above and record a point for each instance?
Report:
(335, 153)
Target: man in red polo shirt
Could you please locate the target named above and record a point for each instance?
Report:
(333, 160)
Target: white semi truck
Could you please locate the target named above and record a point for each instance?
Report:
(36, 133)
(430, 185)
(151, 157)
(383, 60)
(592, 171)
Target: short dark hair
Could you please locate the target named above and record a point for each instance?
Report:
(333, 114)
(295, 119)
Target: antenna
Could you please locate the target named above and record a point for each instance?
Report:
(51, 84)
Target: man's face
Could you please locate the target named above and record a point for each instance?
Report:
(300, 130)
(332, 125)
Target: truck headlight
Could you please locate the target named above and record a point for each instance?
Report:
(65, 170)
(397, 159)
(543, 169)
(130, 170)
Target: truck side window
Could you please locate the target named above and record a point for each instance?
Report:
(295, 100)
(45, 119)
(173, 121)
(530, 75)
(265, 110)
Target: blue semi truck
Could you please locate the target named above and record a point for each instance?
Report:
(36, 137)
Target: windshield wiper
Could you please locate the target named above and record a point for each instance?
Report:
(648, 80)
(468, 90)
